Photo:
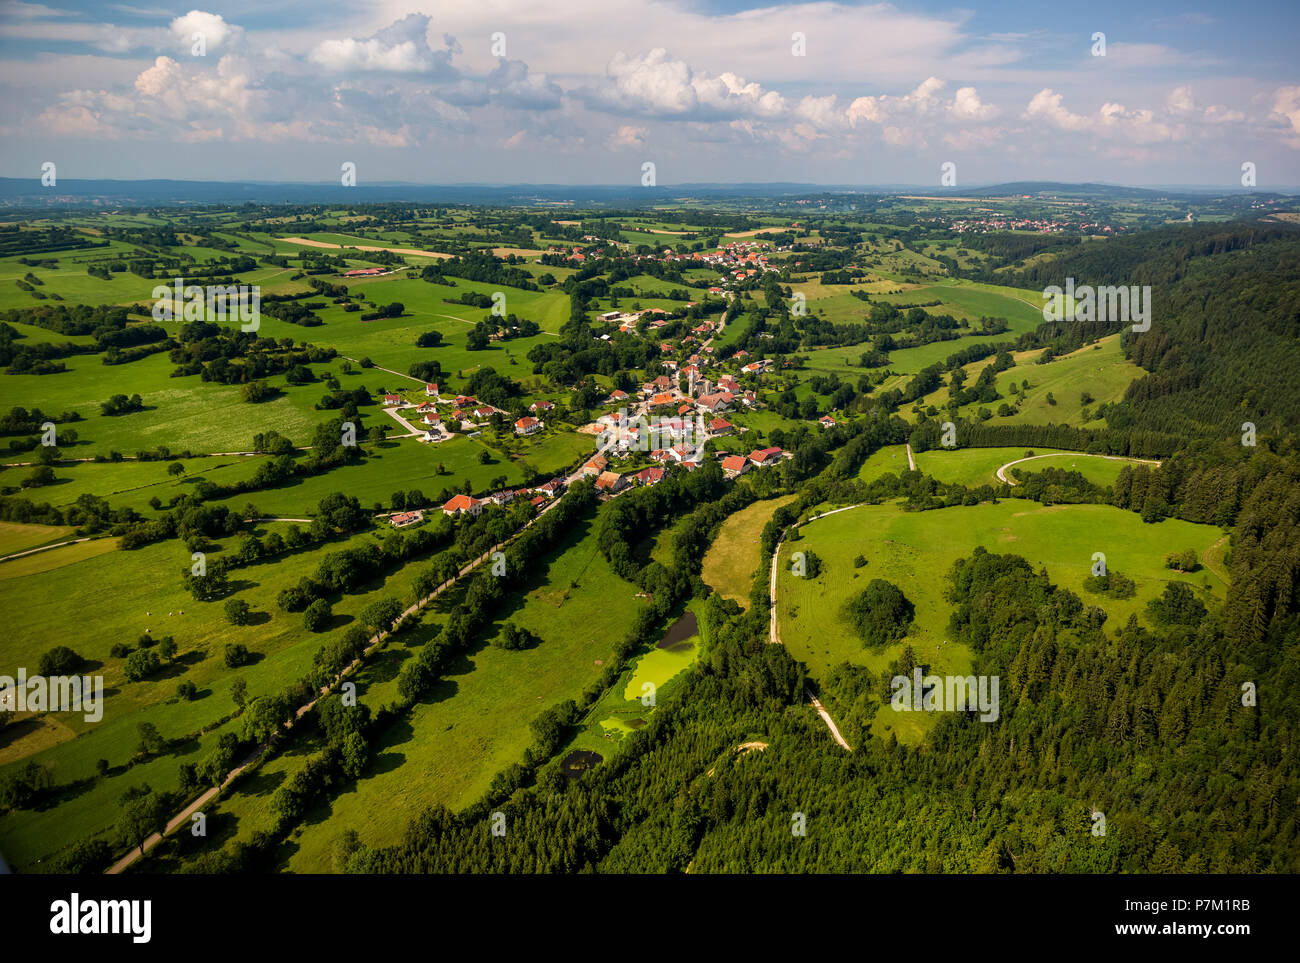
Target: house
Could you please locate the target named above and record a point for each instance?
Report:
(462, 503)
(537, 406)
(426, 407)
(616, 396)
(392, 399)
(611, 482)
(826, 421)
(402, 519)
(734, 465)
(484, 411)
(432, 418)
(720, 426)
(662, 383)
(719, 401)
(611, 315)
(661, 454)
(595, 465)
(650, 476)
(686, 454)
(464, 401)
(431, 390)
(663, 399)
(527, 425)
(765, 456)
(551, 488)
(504, 497)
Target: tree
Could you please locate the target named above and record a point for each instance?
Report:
(880, 613)
(187, 691)
(175, 468)
(317, 616)
(380, 615)
(151, 740)
(237, 612)
(356, 755)
(1178, 605)
(167, 648)
(263, 717)
(237, 655)
(239, 692)
(143, 814)
(141, 664)
(60, 660)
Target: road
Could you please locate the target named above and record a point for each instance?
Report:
(44, 548)
(183, 816)
(774, 636)
(1007, 480)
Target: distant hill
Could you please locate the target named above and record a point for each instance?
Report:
(28, 192)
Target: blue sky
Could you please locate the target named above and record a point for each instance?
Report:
(587, 91)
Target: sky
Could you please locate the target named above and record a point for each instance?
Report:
(707, 91)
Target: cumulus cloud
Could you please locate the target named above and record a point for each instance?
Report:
(1286, 109)
(212, 27)
(1047, 105)
(402, 47)
(922, 102)
(653, 85)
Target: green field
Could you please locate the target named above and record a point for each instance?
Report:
(973, 467)
(915, 551)
(733, 558)
(475, 721)
(121, 595)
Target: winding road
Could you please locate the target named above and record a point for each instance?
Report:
(1007, 480)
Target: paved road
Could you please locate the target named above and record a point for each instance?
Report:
(1006, 479)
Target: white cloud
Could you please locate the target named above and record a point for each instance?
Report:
(654, 85)
(212, 27)
(1286, 109)
(401, 47)
(628, 137)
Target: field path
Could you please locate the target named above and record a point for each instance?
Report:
(308, 242)
(44, 548)
(911, 462)
(774, 635)
(1006, 480)
(826, 718)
